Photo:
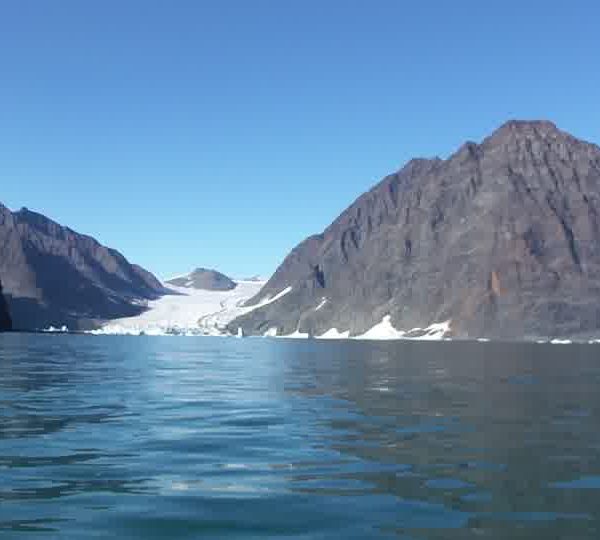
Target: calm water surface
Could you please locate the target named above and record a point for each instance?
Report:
(153, 437)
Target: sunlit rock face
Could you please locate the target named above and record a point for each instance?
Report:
(502, 239)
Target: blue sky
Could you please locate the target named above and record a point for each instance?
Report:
(221, 133)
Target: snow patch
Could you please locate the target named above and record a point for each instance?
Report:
(271, 332)
(433, 332)
(270, 300)
(383, 330)
(321, 304)
(334, 333)
(297, 335)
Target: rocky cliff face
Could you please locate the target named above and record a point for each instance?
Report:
(204, 279)
(502, 239)
(5, 318)
(55, 276)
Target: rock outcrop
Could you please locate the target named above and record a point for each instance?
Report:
(204, 279)
(502, 239)
(53, 276)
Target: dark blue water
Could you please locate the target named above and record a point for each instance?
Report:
(146, 437)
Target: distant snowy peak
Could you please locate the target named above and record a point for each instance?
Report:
(204, 279)
(254, 279)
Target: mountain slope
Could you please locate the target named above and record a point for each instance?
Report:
(55, 276)
(204, 279)
(5, 318)
(502, 239)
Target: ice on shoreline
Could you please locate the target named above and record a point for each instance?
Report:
(192, 312)
(382, 330)
(334, 333)
(53, 330)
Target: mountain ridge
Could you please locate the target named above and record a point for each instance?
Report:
(54, 276)
(500, 238)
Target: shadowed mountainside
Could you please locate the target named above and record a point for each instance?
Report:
(54, 276)
(5, 318)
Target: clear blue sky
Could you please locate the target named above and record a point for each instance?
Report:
(221, 133)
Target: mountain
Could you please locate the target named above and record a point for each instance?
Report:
(204, 279)
(502, 239)
(5, 318)
(254, 279)
(54, 276)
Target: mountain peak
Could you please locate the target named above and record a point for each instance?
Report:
(205, 279)
(501, 239)
(54, 276)
(527, 125)
(527, 129)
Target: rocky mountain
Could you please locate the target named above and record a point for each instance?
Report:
(204, 279)
(5, 318)
(502, 239)
(53, 276)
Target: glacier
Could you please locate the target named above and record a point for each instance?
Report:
(189, 312)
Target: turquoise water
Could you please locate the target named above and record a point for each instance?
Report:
(149, 437)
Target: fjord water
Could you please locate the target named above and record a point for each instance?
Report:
(164, 437)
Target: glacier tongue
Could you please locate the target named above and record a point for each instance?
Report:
(190, 312)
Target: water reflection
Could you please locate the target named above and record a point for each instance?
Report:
(168, 437)
(481, 429)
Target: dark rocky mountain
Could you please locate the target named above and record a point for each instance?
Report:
(502, 239)
(205, 279)
(5, 318)
(54, 276)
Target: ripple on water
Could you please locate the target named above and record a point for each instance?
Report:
(585, 482)
(447, 483)
(168, 438)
